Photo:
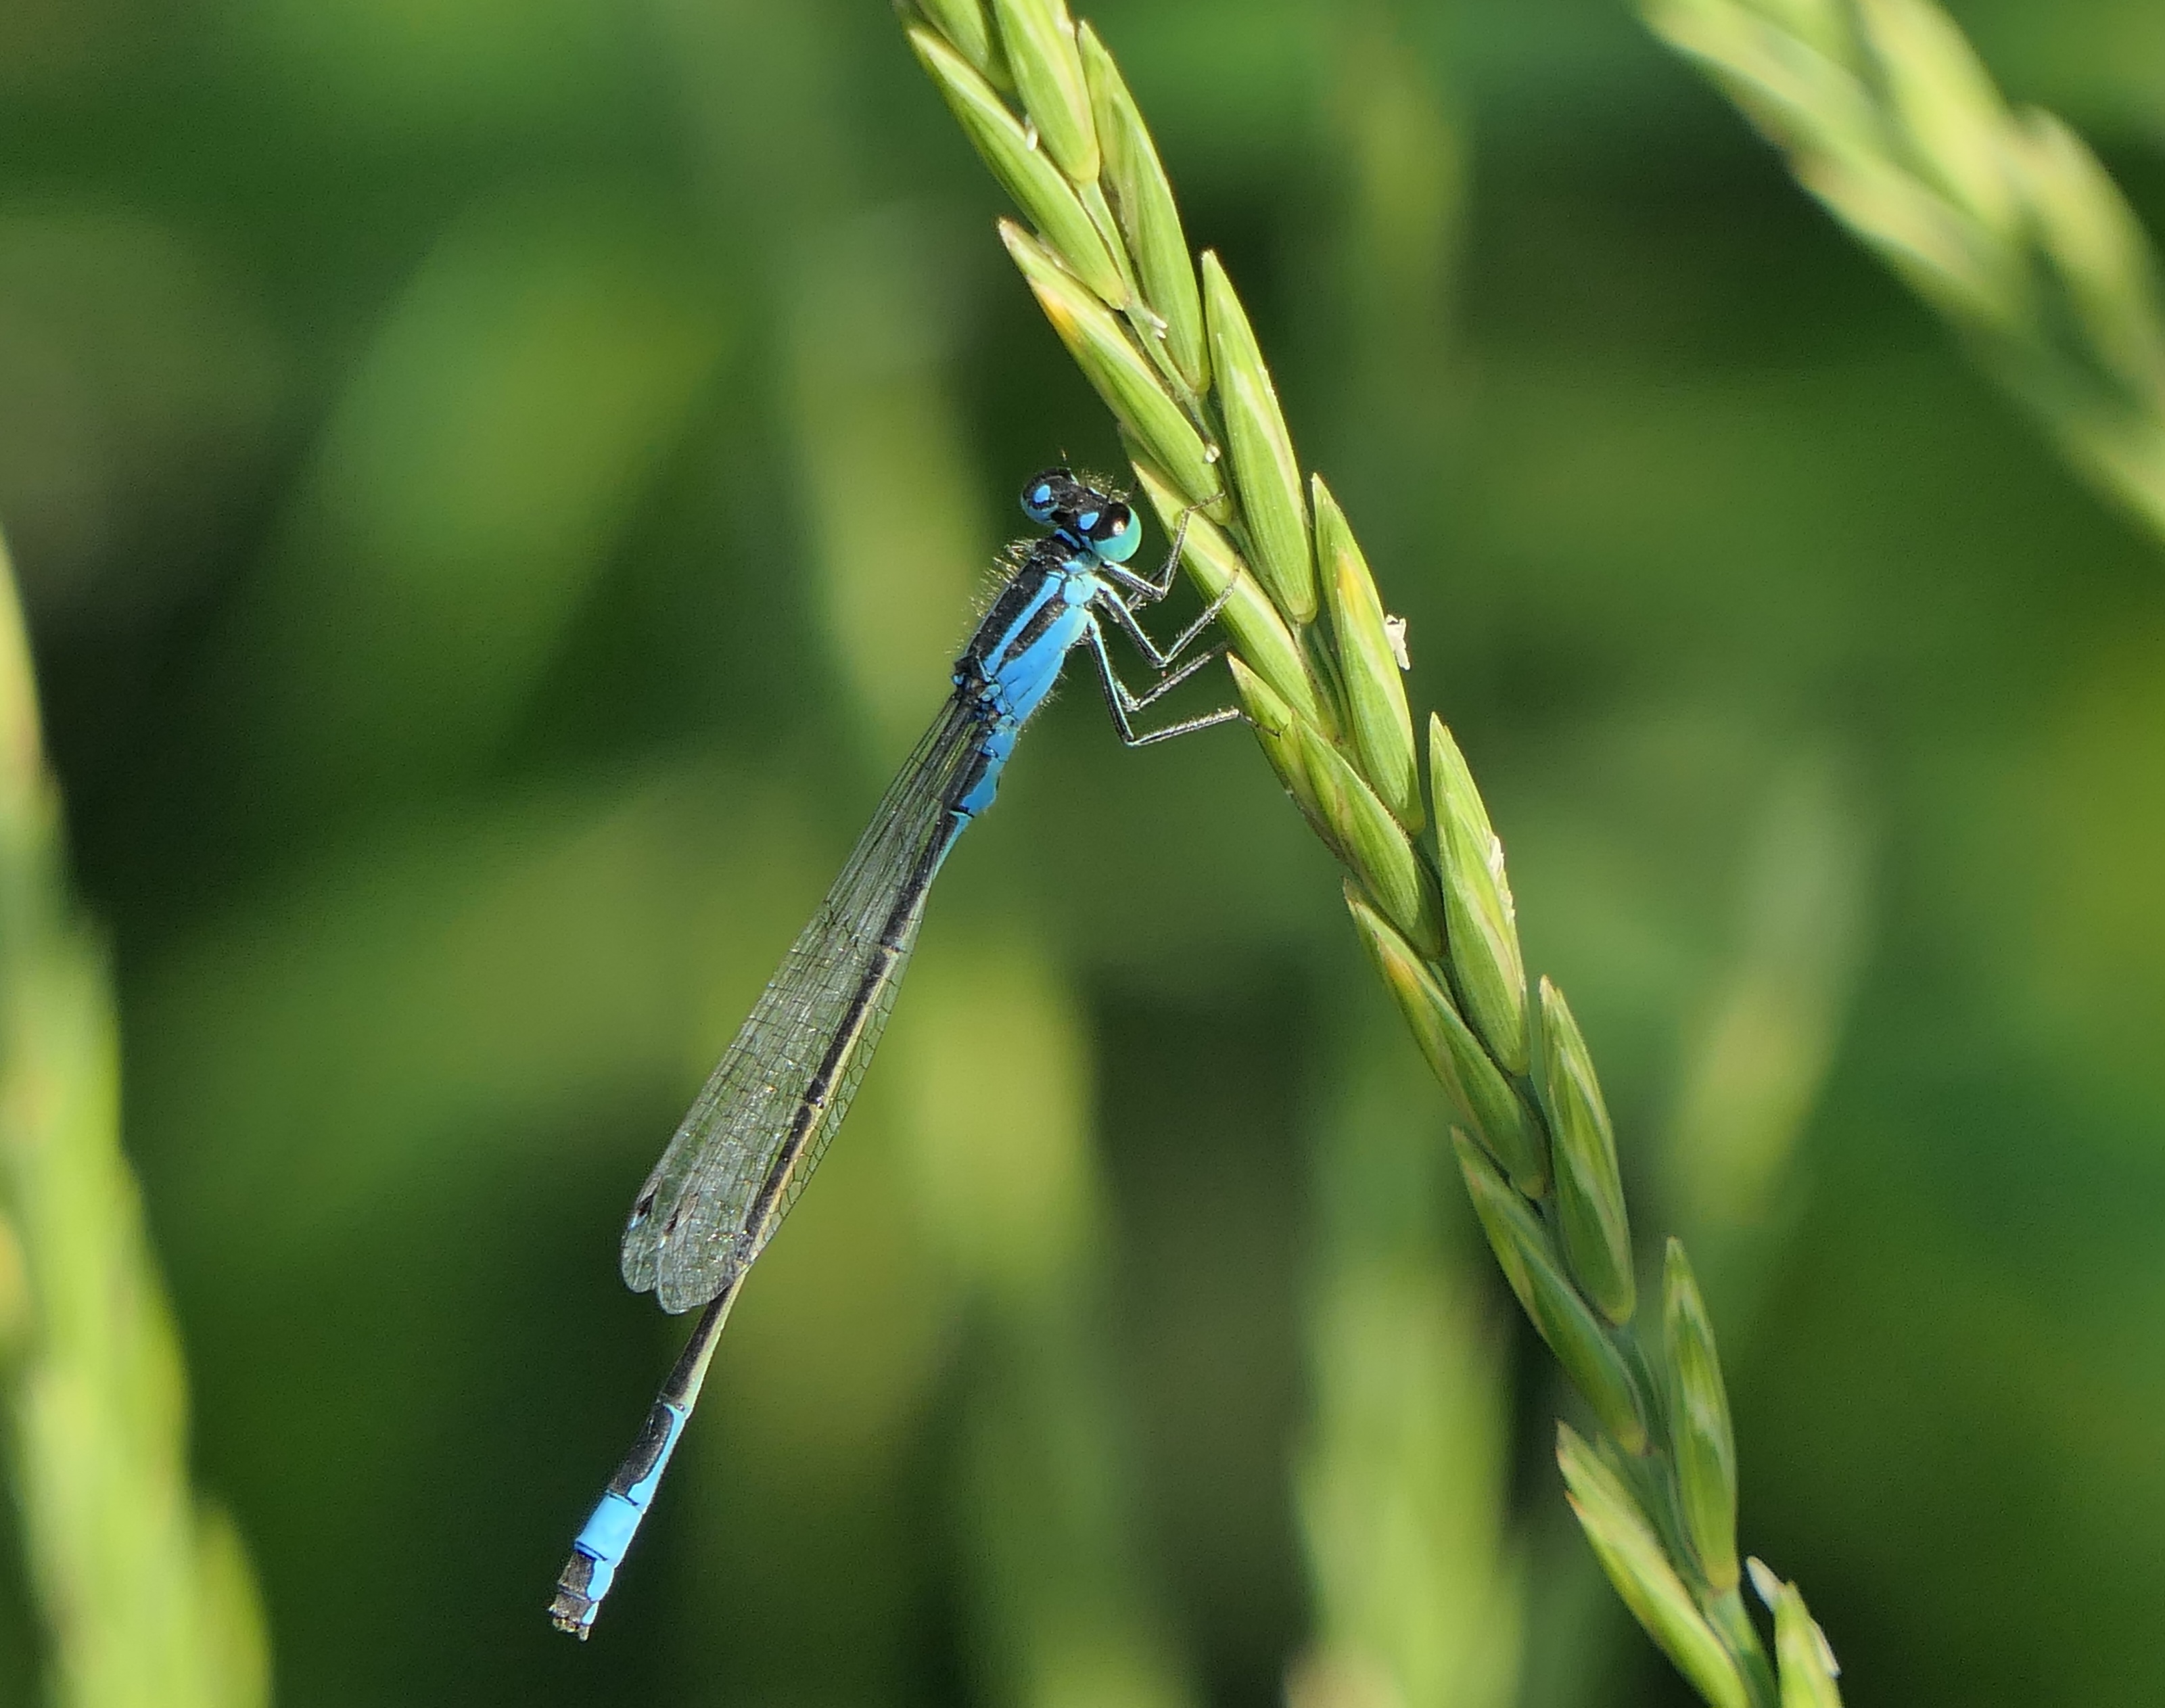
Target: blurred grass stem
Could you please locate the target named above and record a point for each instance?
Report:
(1402, 1479)
(2000, 217)
(144, 1590)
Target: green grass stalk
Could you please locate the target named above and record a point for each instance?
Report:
(1110, 266)
(144, 1590)
(2000, 217)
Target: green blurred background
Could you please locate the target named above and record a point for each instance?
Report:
(496, 487)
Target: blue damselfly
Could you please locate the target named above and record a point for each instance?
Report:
(744, 1151)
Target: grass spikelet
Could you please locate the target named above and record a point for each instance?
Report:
(965, 23)
(1142, 197)
(1023, 169)
(1479, 1093)
(1557, 1309)
(1131, 387)
(1630, 1551)
(1212, 450)
(1706, 1448)
(1483, 922)
(1039, 40)
(1264, 467)
(1597, 1233)
(1808, 1670)
(1377, 718)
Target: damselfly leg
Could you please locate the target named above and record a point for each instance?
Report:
(1122, 701)
(1161, 658)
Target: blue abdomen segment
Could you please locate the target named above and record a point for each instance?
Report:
(1021, 680)
(996, 748)
(616, 1518)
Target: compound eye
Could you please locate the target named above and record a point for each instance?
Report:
(1115, 532)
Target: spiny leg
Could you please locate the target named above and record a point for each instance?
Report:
(1160, 659)
(1172, 679)
(1120, 702)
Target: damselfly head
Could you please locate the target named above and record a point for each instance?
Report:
(1079, 508)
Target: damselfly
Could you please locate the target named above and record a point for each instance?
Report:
(744, 1151)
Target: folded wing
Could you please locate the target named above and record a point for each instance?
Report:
(758, 1129)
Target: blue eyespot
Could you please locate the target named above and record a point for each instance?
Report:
(1041, 497)
(1086, 521)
